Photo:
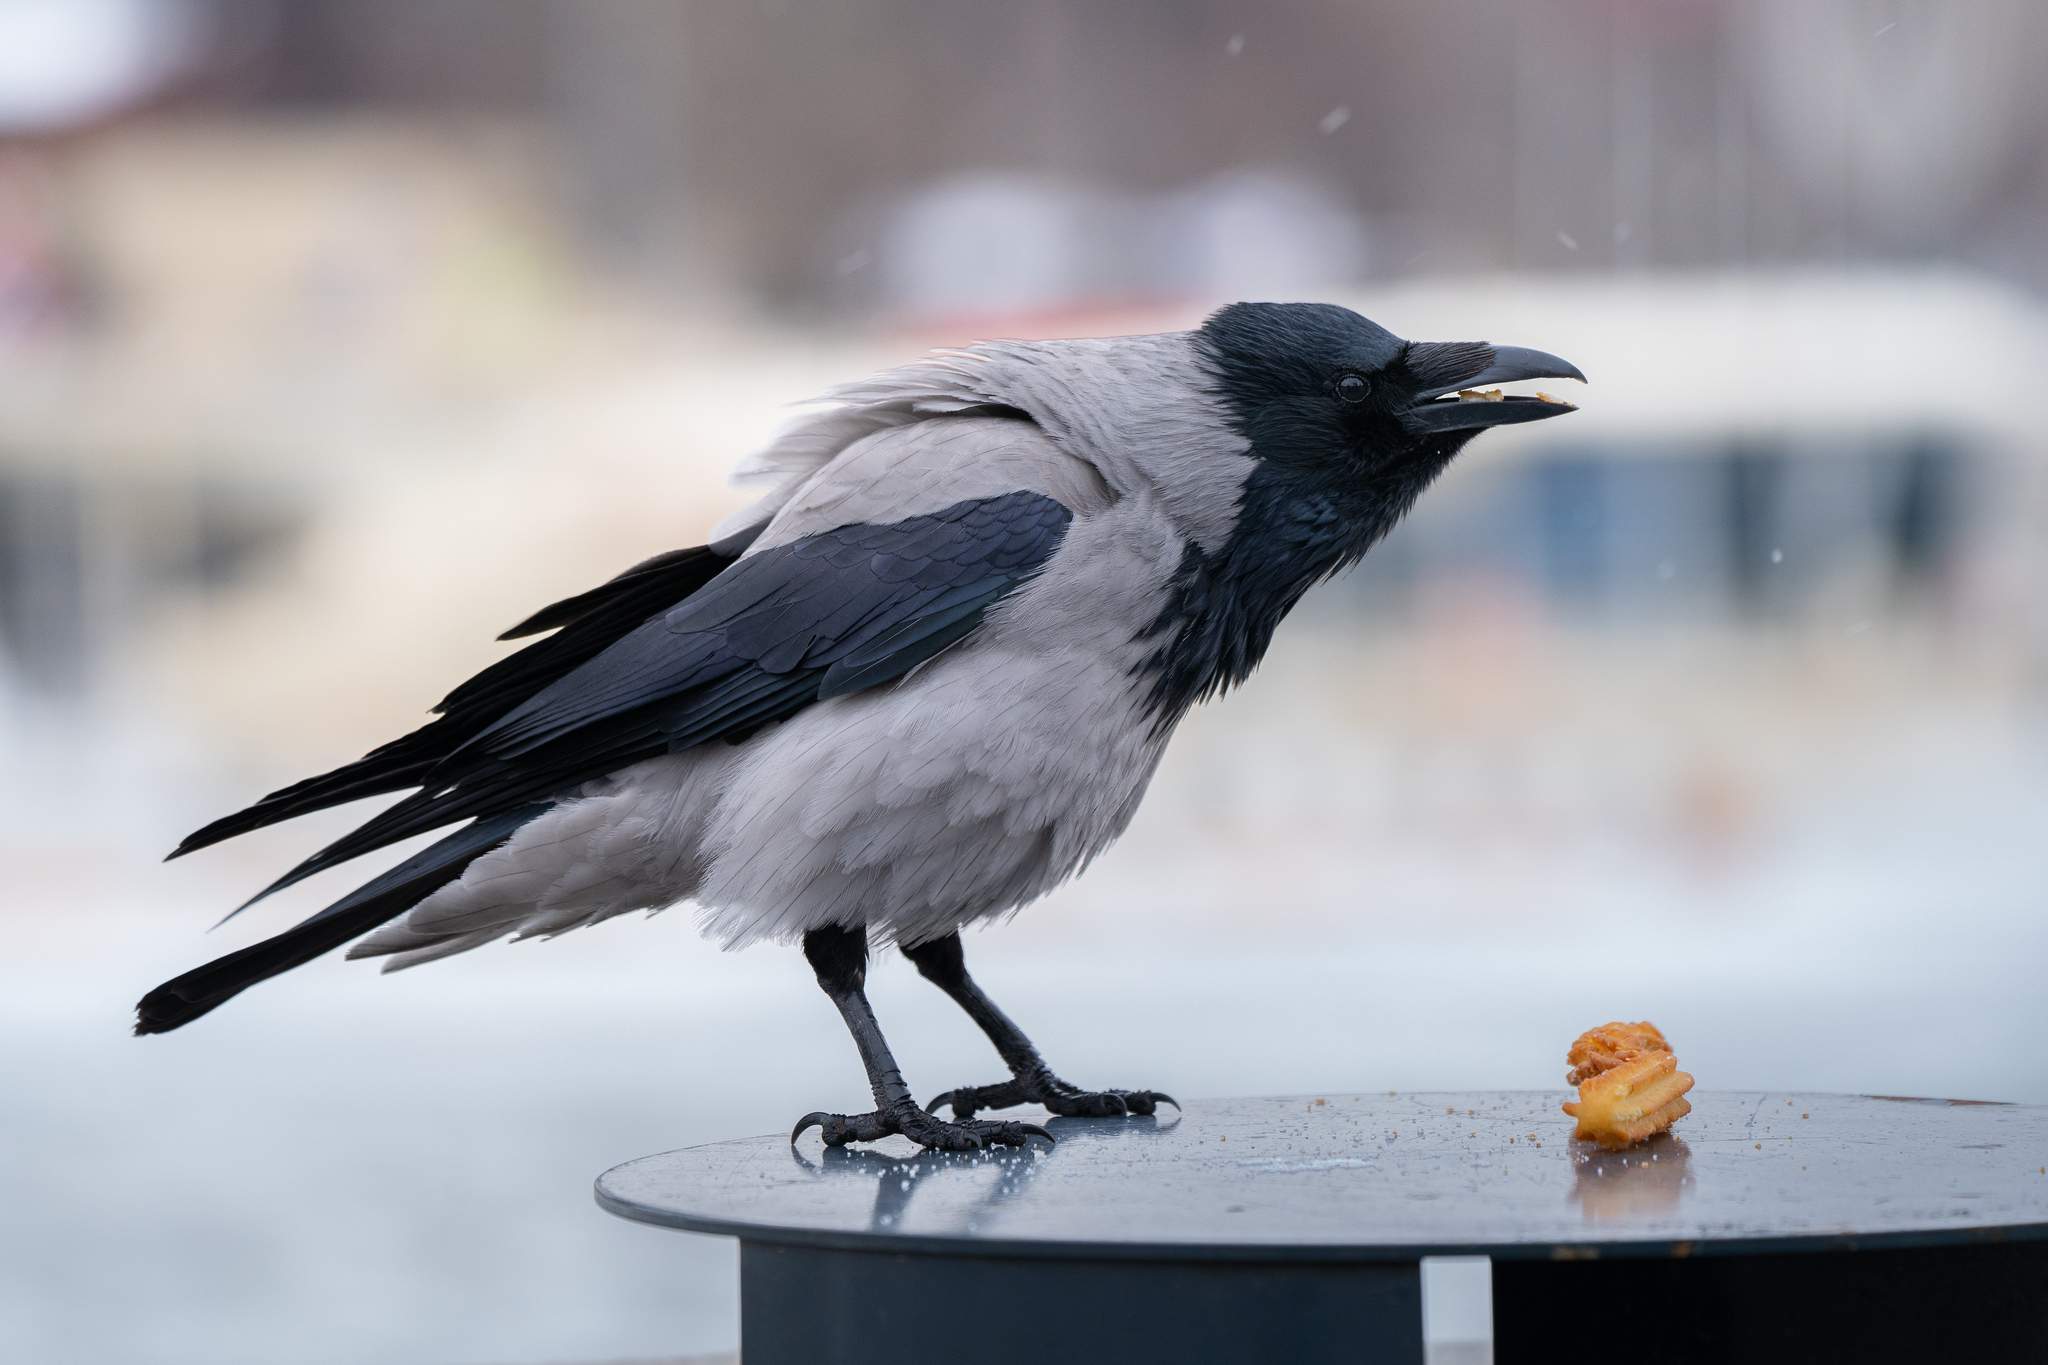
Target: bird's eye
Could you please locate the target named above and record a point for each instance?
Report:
(1352, 388)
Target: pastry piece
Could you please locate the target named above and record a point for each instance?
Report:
(1635, 1098)
(1599, 1049)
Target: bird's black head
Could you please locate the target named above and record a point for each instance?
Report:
(1331, 399)
(1347, 424)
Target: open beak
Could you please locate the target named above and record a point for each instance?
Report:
(1471, 402)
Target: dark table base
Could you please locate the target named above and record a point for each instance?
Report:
(815, 1306)
(1985, 1304)
(820, 1306)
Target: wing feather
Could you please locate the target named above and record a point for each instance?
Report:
(778, 631)
(588, 623)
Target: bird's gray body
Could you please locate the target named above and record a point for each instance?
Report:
(981, 779)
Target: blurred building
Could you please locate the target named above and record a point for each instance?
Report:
(1819, 449)
(249, 249)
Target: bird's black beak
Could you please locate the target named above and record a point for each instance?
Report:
(1459, 401)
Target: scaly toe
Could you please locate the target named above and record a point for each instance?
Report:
(924, 1129)
(967, 1100)
(1105, 1104)
(1010, 1134)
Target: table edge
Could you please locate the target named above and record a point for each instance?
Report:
(1586, 1249)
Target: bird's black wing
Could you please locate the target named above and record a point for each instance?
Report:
(821, 616)
(588, 623)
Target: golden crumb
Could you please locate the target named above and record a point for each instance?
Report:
(1598, 1049)
(1634, 1100)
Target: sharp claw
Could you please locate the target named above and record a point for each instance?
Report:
(815, 1119)
(1033, 1130)
(932, 1107)
(1123, 1106)
(1159, 1098)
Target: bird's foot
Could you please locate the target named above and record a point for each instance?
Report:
(926, 1130)
(1055, 1094)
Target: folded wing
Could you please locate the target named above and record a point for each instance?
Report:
(585, 626)
(777, 631)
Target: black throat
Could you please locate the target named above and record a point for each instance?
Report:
(1327, 485)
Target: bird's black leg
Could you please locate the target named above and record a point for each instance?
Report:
(840, 958)
(942, 963)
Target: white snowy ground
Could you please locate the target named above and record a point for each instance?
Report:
(1422, 867)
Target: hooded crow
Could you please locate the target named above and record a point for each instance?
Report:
(921, 682)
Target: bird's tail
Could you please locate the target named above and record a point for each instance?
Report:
(181, 1000)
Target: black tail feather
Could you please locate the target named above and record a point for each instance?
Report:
(432, 808)
(182, 999)
(589, 622)
(394, 767)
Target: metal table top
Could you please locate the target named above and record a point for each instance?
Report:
(1387, 1177)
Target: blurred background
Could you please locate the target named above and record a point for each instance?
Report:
(337, 335)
